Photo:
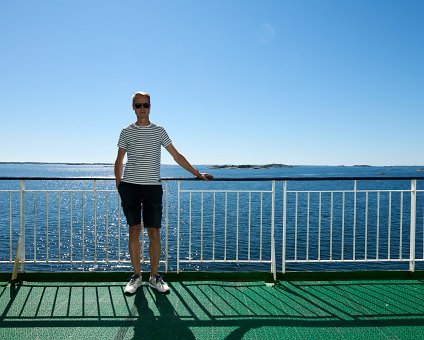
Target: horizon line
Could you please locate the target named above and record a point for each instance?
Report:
(223, 164)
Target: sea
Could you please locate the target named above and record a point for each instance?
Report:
(307, 236)
(175, 171)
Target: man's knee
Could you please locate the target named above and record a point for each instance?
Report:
(154, 234)
(134, 231)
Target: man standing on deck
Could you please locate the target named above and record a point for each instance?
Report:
(140, 186)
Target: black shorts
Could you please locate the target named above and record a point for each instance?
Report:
(138, 198)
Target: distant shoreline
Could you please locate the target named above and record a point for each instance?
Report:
(250, 166)
(229, 166)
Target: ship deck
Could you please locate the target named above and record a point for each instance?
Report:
(53, 307)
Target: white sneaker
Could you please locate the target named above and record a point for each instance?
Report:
(133, 284)
(158, 283)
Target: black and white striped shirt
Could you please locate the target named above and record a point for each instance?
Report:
(143, 146)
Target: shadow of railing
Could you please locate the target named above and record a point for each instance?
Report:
(196, 307)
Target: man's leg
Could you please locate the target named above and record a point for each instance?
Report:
(134, 247)
(155, 280)
(154, 250)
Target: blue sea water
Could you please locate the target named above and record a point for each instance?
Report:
(296, 250)
(105, 170)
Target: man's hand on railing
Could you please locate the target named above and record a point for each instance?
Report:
(205, 176)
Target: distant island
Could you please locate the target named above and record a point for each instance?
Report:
(249, 166)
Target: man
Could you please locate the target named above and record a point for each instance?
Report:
(140, 186)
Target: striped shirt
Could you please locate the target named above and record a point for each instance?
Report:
(143, 146)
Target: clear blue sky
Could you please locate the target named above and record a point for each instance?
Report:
(323, 82)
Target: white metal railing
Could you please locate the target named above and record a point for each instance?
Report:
(362, 240)
(225, 222)
(237, 245)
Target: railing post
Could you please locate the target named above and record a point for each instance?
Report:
(119, 227)
(166, 226)
(273, 264)
(413, 225)
(95, 218)
(178, 225)
(354, 218)
(283, 267)
(22, 225)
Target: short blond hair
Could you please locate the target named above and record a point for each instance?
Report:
(139, 93)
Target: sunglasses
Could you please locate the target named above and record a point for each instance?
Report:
(139, 105)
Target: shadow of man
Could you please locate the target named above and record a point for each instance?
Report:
(166, 325)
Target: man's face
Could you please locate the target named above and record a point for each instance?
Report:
(141, 106)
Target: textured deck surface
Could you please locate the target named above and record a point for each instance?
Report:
(388, 309)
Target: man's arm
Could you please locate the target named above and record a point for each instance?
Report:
(182, 161)
(119, 166)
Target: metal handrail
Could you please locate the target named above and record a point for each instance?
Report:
(230, 179)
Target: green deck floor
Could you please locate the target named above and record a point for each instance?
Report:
(389, 309)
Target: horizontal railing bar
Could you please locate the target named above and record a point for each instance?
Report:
(227, 179)
(62, 190)
(225, 261)
(191, 190)
(41, 261)
(350, 260)
(350, 190)
(233, 191)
